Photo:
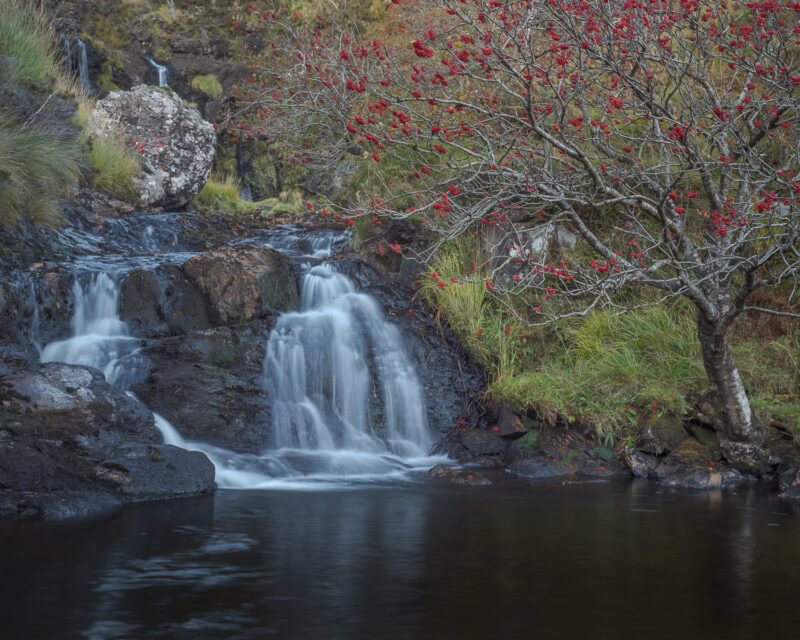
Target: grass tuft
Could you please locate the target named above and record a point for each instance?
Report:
(26, 40)
(115, 167)
(35, 170)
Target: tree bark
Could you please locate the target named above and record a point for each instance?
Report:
(739, 422)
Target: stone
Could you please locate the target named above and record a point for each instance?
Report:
(471, 480)
(642, 465)
(441, 471)
(510, 425)
(73, 445)
(698, 478)
(244, 282)
(146, 471)
(174, 143)
(747, 458)
(481, 442)
(540, 468)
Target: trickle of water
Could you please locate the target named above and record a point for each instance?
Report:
(67, 55)
(161, 70)
(100, 339)
(83, 66)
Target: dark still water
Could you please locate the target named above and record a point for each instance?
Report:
(582, 561)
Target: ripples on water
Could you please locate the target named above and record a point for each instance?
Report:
(576, 561)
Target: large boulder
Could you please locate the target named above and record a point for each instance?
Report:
(175, 144)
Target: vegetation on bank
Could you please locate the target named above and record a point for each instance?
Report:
(608, 369)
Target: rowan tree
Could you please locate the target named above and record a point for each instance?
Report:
(663, 132)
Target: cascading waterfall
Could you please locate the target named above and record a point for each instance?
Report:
(347, 404)
(100, 339)
(161, 70)
(318, 371)
(83, 66)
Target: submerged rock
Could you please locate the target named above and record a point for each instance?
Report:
(175, 145)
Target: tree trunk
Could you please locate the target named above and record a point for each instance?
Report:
(739, 423)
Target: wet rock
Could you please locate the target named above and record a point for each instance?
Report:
(146, 472)
(71, 445)
(441, 471)
(642, 465)
(72, 403)
(209, 386)
(660, 434)
(698, 478)
(510, 425)
(540, 468)
(178, 144)
(789, 483)
(747, 458)
(603, 469)
(162, 302)
(524, 447)
(480, 442)
(244, 282)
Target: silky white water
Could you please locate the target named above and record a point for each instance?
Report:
(347, 405)
(161, 71)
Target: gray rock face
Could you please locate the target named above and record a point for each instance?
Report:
(175, 144)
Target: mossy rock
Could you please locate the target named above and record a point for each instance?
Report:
(691, 453)
(659, 434)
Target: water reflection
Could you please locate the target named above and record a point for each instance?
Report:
(597, 561)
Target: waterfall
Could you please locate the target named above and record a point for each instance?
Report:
(100, 339)
(68, 55)
(83, 66)
(161, 70)
(322, 365)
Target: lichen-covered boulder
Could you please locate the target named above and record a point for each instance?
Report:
(175, 144)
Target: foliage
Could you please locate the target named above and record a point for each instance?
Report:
(221, 193)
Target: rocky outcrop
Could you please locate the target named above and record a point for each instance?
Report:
(175, 145)
(70, 444)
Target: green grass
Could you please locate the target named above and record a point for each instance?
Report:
(221, 193)
(26, 39)
(114, 168)
(604, 369)
(36, 169)
(208, 84)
